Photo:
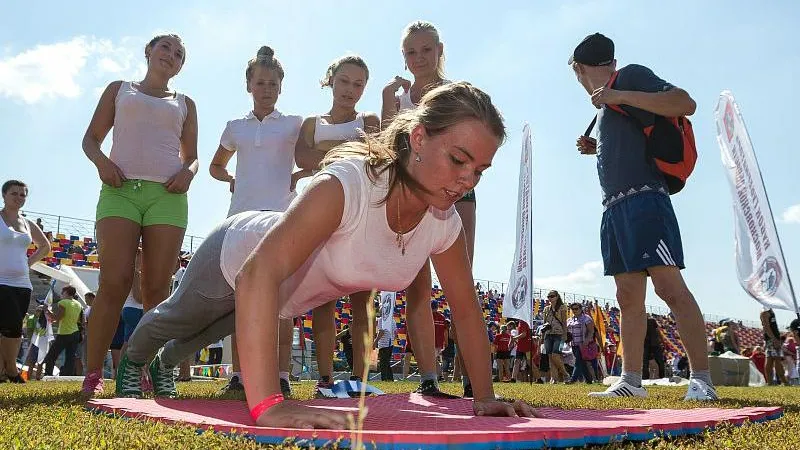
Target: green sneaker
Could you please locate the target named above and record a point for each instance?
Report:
(163, 378)
(129, 378)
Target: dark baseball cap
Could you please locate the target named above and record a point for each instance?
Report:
(594, 50)
(795, 325)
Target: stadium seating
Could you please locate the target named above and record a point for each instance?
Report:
(82, 252)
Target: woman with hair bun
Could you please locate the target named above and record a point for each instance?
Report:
(264, 141)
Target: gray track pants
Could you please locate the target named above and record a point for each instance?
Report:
(198, 313)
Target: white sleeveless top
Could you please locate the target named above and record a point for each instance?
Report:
(348, 131)
(360, 255)
(14, 256)
(405, 98)
(147, 134)
(405, 101)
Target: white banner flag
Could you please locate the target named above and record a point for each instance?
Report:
(518, 302)
(759, 258)
(387, 310)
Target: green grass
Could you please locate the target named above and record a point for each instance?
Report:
(43, 415)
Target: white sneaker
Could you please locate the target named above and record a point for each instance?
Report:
(701, 391)
(621, 389)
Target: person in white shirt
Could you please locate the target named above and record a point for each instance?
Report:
(347, 77)
(264, 142)
(16, 234)
(423, 54)
(371, 218)
(384, 342)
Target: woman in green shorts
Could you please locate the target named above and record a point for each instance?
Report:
(145, 179)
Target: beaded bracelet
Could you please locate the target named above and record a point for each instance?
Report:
(264, 405)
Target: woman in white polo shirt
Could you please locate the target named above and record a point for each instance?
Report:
(347, 77)
(264, 142)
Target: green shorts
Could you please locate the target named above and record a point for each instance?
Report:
(144, 202)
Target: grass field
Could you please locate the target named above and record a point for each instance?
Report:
(45, 415)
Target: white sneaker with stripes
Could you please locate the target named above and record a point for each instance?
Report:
(621, 389)
(701, 391)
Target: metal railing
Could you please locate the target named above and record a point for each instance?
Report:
(71, 226)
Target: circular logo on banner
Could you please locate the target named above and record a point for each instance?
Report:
(765, 283)
(519, 294)
(386, 304)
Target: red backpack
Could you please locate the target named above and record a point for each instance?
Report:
(670, 142)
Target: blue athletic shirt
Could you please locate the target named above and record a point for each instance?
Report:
(623, 165)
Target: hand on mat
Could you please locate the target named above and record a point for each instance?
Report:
(491, 407)
(287, 415)
(586, 145)
(110, 173)
(179, 183)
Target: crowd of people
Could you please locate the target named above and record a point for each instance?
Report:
(390, 194)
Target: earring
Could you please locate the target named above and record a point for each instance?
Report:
(417, 158)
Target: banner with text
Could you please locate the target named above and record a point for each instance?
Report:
(518, 302)
(387, 310)
(759, 259)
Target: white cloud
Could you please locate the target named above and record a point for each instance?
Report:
(586, 275)
(792, 214)
(60, 69)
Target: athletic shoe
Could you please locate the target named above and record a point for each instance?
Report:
(163, 378)
(16, 379)
(129, 378)
(234, 385)
(621, 389)
(93, 384)
(286, 388)
(322, 383)
(431, 389)
(701, 391)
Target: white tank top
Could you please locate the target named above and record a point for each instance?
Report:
(405, 101)
(405, 98)
(348, 131)
(14, 255)
(360, 255)
(147, 134)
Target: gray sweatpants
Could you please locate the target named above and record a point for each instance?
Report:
(198, 313)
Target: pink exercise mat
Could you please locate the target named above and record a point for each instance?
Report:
(411, 421)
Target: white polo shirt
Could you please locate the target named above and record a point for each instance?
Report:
(265, 159)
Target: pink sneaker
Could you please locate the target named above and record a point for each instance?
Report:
(93, 383)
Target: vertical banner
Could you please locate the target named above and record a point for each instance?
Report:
(518, 302)
(599, 322)
(760, 265)
(387, 310)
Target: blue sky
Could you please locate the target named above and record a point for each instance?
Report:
(54, 62)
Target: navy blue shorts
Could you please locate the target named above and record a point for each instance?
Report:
(640, 232)
(119, 336)
(130, 318)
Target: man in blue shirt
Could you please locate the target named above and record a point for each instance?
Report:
(639, 233)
